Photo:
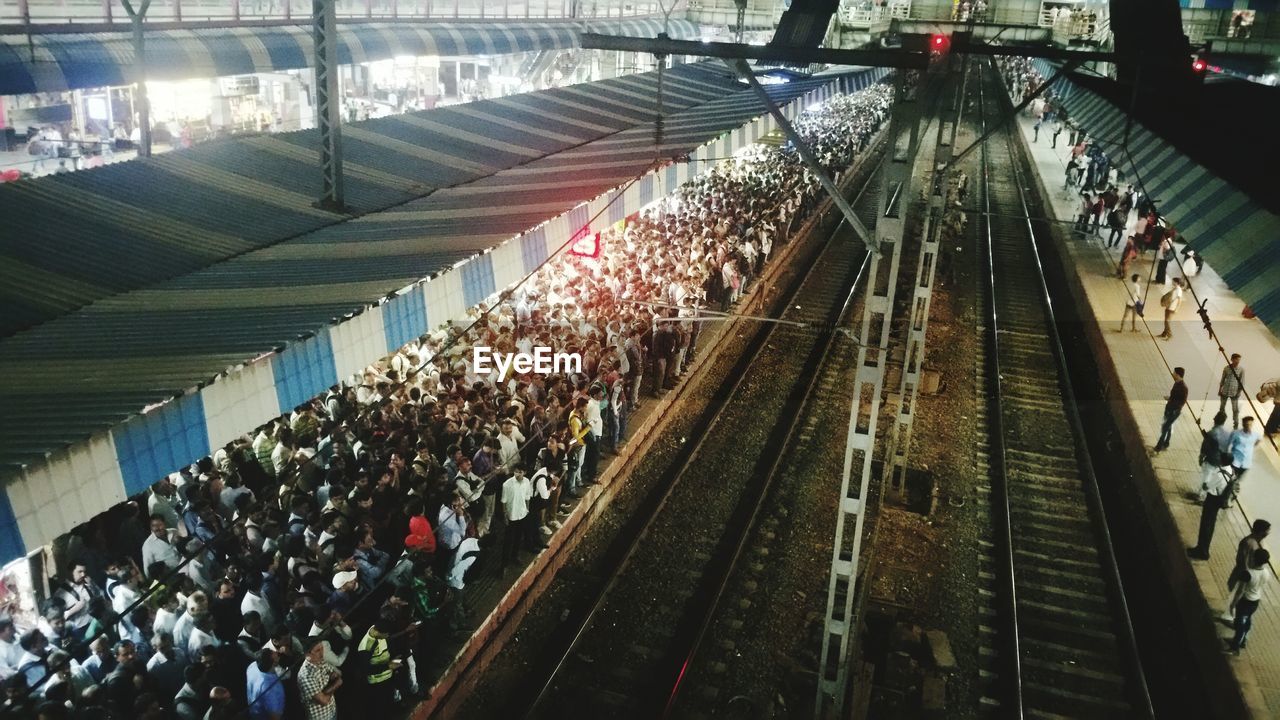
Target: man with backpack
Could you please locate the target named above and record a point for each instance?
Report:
(1215, 456)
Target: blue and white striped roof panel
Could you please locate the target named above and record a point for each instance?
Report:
(56, 62)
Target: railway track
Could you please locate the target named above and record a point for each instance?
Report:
(626, 655)
(1056, 640)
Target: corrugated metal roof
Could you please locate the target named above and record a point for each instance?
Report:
(92, 368)
(56, 62)
(76, 238)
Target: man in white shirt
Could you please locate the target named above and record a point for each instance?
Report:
(254, 602)
(9, 649)
(1134, 292)
(517, 491)
(471, 487)
(201, 636)
(1250, 598)
(1171, 301)
(160, 502)
(160, 547)
(509, 440)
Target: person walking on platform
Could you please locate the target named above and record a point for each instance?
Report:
(1230, 387)
(1171, 301)
(1115, 223)
(1172, 408)
(1132, 304)
(1218, 490)
(1215, 453)
(1057, 130)
(1128, 255)
(1239, 577)
(1270, 390)
(1250, 598)
(1243, 442)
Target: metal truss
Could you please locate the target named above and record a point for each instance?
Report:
(141, 100)
(328, 103)
(898, 450)
(840, 628)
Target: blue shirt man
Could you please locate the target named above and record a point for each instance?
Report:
(264, 691)
(1243, 443)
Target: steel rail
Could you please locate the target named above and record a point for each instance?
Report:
(1139, 690)
(995, 424)
(748, 524)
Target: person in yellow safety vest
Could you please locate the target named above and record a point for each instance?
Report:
(378, 667)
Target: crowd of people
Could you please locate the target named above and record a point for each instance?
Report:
(311, 567)
(1105, 201)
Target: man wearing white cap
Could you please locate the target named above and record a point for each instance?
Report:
(344, 590)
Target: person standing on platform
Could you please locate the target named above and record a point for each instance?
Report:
(1215, 453)
(1217, 491)
(1057, 130)
(1172, 408)
(1230, 387)
(1131, 305)
(517, 491)
(1250, 598)
(1243, 442)
(1270, 390)
(1239, 577)
(1171, 301)
(317, 682)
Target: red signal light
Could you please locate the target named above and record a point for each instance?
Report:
(1199, 65)
(939, 41)
(939, 44)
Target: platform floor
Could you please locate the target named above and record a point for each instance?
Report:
(1141, 358)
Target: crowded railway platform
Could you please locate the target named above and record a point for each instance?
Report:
(1143, 363)
(372, 527)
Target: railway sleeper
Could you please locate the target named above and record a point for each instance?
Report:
(1047, 573)
(1063, 596)
(1051, 609)
(1075, 704)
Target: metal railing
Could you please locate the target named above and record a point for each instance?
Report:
(98, 12)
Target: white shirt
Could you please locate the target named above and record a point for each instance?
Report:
(258, 604)
(1135, 294)
(159, 505)
(335, 660)
(156, 550)
(280, 457)
(593, 417)
(464, 559)
(515, 498)
(1253, 586)
(198, 640)
(164, 621)
(9, 654)
(509, 447)
(540, 480)
(182, 631)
